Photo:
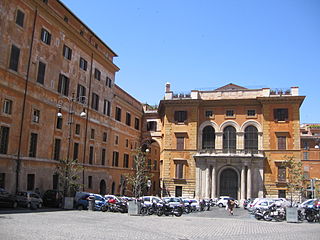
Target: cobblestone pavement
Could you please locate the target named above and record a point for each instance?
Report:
(214, 224)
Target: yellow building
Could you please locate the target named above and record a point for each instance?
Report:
(229, 141)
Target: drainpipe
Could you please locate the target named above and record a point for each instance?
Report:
(86, 125)
(24, 104)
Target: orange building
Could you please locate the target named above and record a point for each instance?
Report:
(229, 141)
(52, 64)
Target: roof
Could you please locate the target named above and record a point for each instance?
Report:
(229, 87)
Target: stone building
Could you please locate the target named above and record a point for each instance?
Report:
(310, 156)
(59, 100)
(229, 141)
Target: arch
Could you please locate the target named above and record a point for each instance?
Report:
(229, 182)
(253, 123)
(230, 123)
(103, 187)
(208, 138)
(202, 126)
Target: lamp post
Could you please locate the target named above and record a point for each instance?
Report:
(149, 185)
(83, 114)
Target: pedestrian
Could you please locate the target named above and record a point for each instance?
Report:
(230, 206)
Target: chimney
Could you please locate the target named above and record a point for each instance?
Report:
(167, 87)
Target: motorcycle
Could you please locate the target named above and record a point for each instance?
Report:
(119, 206)
(258, 213)
(312, 214)
(275, 212)
(168, 209)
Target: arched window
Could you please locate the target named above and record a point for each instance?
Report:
(208, 138)
(229, 139)
(251, 138)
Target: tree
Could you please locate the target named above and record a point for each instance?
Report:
(295, 177)
(139, 178)
(68, 171)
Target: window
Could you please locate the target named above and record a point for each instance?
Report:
(155, 165)
(36, 116)
(7, 106)
(77, 129)
(128, 119)
(126, 160)
(178, 191)
(67, 52)
(63, 85)
(180, 143)
(281, 174)
(305, 156)
(91, 155)
(230, 113)
(75, 151)
(20, 18)
(41, 72)
(57, 147)
(306, 172)
(208, 138)
(103, 156)
(282, 142)
(4, 139)
(282, 194)
(89, 181)
(14, 58)
(118, 114)
(66, 19)
(149, 164)
(45, 1)
(152, 126)
(97, 74)
(2, 180)
(115, 159)
(116, 140)
(45, 36)
(83, 64)
(251, 113)
(305, 145)
(95, 102)
(209, 114)
(108, 82)
(92, 133)
(30, 182)
(55, 181)
(180, 116)
(179, 170)
(251, 138)
(81, 94)
(229, 139)
(281, 114)
(104, 137)
(136, 123)
(33, 145)
(106, 107)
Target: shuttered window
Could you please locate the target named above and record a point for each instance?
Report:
(33, 145)
(281, 114)
(180, 116)
(14, 58)
(63, 85)
(180, 143)
(41, 72)
(281, 174)
(20, 18)
(282, 142)
(45, 36)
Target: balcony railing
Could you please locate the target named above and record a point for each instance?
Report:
(232, 152)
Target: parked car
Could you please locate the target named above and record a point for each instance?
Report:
(83, 202)
(223, 200)
(149, 200)
(263, 203)
(174, 201)
(7, 199)
(52, 198)
(194, 203)
(29, 199)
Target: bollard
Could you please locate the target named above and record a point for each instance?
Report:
(91, 203)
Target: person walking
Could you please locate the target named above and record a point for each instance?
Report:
(230, 206)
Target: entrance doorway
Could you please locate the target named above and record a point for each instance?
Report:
(103, 187)
(229, 183)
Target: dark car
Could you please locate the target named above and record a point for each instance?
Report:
(83, 202)
(29, 199)
(52, 198)
(7, 199)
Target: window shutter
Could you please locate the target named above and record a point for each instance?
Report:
(275, 117)
(176, 113)
(286, 113)
(60, 83)
(49, 39)
(67, 87)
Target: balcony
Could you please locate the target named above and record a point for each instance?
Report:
(230, 153)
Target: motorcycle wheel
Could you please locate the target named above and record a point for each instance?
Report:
(104, 208)
(159, 212)
(258, 217)
(267, 217)
(149, 211)
(310, 217)
(178, 212)
(143, 211)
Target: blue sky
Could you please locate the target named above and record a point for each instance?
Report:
(206, 44)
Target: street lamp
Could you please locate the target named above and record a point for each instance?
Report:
(149, 185)
(83, 114)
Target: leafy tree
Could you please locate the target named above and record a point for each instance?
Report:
(295, 177)
(68, 171)
(139, 178)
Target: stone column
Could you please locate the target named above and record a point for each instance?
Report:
(219, 140)
(249, 182)
(203, 182)
(207, 194)
(260, 189)
(198, 182)
(243, 183)
(240, 140)
(213, 183)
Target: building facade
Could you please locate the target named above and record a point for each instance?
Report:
(230, 141)
(59, 100)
